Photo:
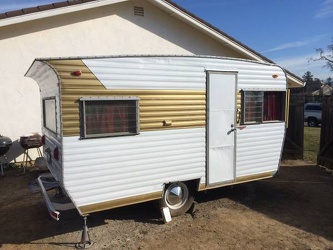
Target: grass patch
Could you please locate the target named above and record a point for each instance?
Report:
(311, 143)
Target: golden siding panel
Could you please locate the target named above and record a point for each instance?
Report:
(172, 113)
(239, 107)
(172, 118)
(239, 100)
(175, 124)
(181, 108)
(167, 102)
(185, 108)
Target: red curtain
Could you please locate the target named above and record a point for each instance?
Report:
(272, 106)
(105, 118)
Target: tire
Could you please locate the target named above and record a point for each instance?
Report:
(312, 122)
(178, 197)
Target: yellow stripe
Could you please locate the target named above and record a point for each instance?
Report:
(238, 180)
(119, 203)
(239, 107)
(183, 108)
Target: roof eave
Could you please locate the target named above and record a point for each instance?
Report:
(294, 81)
(56, 11)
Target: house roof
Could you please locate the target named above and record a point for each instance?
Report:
(40, 8)
(58, 8)
(325, 90)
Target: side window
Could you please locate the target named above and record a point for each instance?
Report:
(260, 107)
(49, 114)
(102, 117)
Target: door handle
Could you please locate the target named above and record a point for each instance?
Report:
(232, 129)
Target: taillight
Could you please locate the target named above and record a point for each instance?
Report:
(43, 140)
(56, 154)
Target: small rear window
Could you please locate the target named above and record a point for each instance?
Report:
(49, 114)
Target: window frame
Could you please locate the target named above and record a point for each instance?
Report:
(45, 123)
(262, 121)
(244, 107)
(83, 130)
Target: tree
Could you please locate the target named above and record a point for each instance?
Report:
(329, 81)
(312, 84)
(307, 76)
(328, 56)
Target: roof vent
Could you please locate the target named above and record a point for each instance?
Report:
(139, 11)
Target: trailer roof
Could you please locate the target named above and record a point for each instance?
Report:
(155, 55)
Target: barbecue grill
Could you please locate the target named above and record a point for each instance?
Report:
(28, 142)
(5, 143)
(31, 141)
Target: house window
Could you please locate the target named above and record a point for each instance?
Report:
(259, 106)
(101, 117)
(49, 114)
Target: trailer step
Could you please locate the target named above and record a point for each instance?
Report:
(54, 203)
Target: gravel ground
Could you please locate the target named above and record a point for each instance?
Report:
(290, 211)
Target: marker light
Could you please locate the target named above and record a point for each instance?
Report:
(76, 73)
(56, 154)
(43, 139)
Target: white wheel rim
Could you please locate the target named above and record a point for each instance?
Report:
(176, 195)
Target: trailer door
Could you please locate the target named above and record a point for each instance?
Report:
(221, 125)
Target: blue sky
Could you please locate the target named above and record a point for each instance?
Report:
(285, 31)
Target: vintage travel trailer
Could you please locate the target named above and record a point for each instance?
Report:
(121, 130)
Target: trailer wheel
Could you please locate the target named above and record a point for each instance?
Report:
(178, 197)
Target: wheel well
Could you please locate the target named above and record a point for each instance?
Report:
(178, 196)
(192, 184)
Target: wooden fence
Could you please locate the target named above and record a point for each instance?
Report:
(325, 156)
(294, 141)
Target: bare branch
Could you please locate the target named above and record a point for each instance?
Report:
(328, 57)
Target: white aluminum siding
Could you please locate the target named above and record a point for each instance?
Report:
(259, 148)
(181, 72)
(48, 83)
(99, 170)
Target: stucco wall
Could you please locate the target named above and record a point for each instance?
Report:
(112, 30)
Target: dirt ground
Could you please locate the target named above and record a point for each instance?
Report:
(294, 210)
